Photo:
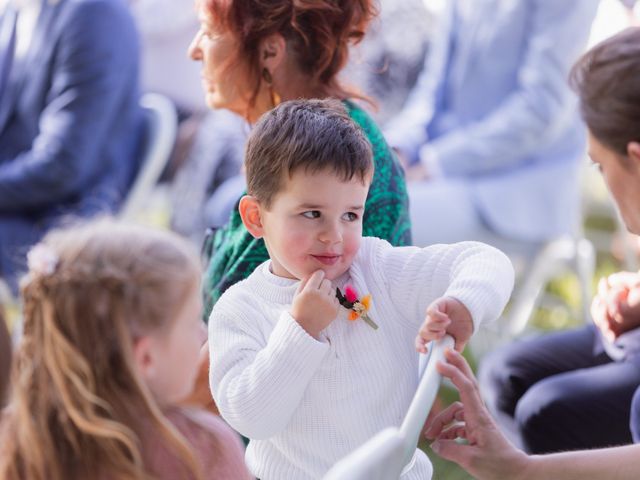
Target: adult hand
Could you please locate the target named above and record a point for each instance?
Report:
(445, 315)
(626, 310)
(487, 455)
(315, 304)
(615, 309)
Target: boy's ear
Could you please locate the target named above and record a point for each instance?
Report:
(633, 152)
(272, 50)
(251, 214)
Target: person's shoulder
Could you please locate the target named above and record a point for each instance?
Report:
(215, 444)
(98, 12)
(201, 427)
(370, 249)
(242, 293)
(361, 117)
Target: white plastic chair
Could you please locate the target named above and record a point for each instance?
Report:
(385, 455)
(162, 127)
(536, 265)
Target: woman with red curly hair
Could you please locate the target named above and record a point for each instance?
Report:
(257, 53)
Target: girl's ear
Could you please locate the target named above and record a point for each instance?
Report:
(251, 214)
(144, 356)
(272, 50)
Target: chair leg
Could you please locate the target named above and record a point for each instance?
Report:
(585, 267)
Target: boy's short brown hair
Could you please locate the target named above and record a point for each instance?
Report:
(313, 135)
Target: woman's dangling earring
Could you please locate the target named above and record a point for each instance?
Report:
(275, 98)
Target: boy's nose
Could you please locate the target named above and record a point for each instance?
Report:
(331, 234)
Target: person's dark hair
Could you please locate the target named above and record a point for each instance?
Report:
(607, 81)
(313, 135)
(318, 35)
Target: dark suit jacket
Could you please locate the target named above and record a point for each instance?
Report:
(70, 123)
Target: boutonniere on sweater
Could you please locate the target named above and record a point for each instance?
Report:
(359, 307)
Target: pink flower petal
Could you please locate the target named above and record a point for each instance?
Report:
(350, 293)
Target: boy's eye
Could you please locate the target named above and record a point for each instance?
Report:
(311, 214)
(350, 216)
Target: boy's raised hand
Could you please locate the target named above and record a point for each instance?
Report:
(445, 315)
(315, 304)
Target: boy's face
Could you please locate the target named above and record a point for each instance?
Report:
(314, 222)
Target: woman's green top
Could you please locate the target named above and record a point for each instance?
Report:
(234, 253)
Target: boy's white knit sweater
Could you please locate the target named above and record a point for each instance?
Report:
(306, 403)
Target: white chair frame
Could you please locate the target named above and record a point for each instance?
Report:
(385, 455)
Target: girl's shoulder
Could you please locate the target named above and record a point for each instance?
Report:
(216, 445)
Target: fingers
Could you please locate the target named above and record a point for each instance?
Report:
(459, 372)
(454, 452)
(623, 280)
(434, 326)
(450, 414)
(315, 280)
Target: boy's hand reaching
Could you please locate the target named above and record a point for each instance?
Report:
(445, 315)
(315, 304)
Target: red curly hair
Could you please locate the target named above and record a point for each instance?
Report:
(318, 33)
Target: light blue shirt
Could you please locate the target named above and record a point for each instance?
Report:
(493, 106)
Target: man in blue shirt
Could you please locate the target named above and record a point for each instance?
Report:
(491, 132)
(70, 123)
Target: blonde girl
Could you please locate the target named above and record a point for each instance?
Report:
(111, 337)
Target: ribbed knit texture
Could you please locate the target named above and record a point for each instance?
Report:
(305, 403)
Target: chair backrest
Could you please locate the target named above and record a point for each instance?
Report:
(424, 397)
(162, 127)
(378, 459)
(384, 456)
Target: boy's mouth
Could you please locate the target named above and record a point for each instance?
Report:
(327, 259)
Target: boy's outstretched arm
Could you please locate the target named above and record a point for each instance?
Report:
(477, 276)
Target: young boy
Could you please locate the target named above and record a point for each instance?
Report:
(288, 369)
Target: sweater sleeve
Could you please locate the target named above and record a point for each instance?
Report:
(258, 385)
(479, 276)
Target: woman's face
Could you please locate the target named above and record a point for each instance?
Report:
(622, 176)
(225, 85)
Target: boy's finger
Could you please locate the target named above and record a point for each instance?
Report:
(436, 314)
(303, 283)
(314, 281)
(427, 335)
(326, 287)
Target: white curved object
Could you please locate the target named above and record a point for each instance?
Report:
(162, 127)
(384, 456)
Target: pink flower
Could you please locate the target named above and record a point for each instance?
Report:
(350, 294)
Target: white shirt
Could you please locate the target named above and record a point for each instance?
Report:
(305, 403)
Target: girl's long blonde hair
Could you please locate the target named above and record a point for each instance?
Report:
(77, 402)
